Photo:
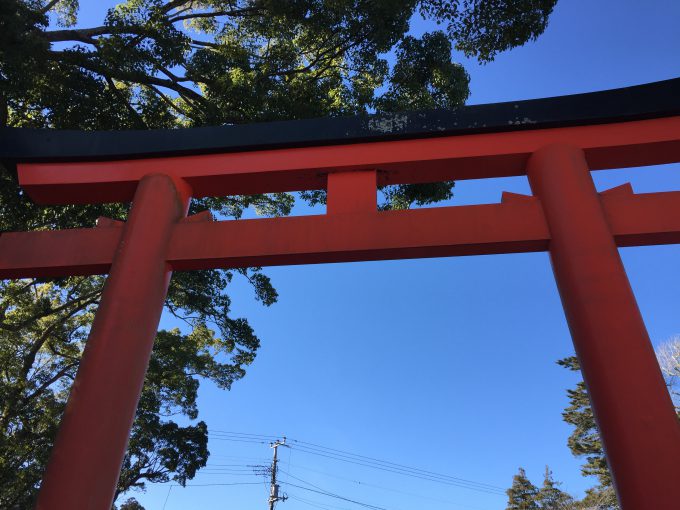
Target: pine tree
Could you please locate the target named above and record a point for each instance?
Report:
(550, 497)
(522, 494)
(585, 440)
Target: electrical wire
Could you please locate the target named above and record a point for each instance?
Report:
(380, 487)
(443, 479)
(336, 496)
(246, 434)
(364, 461)
(167, 497)
(313, 446)
(316, 504)
(220, 438)
(217, 484)
(317, 449)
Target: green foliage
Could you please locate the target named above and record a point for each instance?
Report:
(522, 494)
(42, 334)
(131, 504)
(42, 330)
(584, 440)
(550, 497)
(424, 76)
(172, 64)
(484, 28)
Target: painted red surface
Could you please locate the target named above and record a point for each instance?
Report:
(646, 142)
(579, 228)
(515, 225)
(86, 458)
(633, 409)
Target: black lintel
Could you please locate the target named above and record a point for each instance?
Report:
(652, 100)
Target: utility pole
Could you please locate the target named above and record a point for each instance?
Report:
(274, 487)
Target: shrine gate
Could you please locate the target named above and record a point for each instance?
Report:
(556, 142)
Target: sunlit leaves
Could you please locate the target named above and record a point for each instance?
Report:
(66, 12)
(424, 76)
(484, 28)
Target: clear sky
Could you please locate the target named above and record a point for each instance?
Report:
(447, 365)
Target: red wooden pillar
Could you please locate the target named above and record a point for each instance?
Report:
(87, 456)
(639, 428)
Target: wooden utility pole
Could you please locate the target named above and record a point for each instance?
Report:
(274, 488)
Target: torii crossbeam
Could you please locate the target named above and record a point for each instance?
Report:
(556, 142)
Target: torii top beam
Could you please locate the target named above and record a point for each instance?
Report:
(632, 126)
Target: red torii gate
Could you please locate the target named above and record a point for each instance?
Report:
(556, 142)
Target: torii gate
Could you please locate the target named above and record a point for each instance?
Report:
(555, 141)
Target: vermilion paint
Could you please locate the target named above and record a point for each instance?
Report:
(480, 156)
(87, 456)
(638, 425)
(579, 227)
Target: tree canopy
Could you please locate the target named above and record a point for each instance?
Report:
(524, 495)
(184, 63)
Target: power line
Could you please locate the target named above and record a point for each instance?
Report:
(316, 504)
(301, 480)
(336, 496)
(317, 447)
(220, 438)
(222, 473)
(245, 434)
(241, 469)
(240, 457)
(167, 497)
(366, 461)
(455, 482)
(366, 484)
(323, 491)
(240, 465)
(216, 484)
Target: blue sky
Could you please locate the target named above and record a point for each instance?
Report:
(446, 364)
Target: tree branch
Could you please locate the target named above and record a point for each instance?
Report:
(86, 34)
(128, 76)
(61, 373)
(205, 43)
(29, 358)
(175, 3)
(173, 76)
(140, 124)
(49, 6)
(51, 311)
(214, 14)
(167, 100)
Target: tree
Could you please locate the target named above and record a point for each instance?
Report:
(184, 63)
(131, 504)
(585, 438)
(522, 494)
(585, 441)
(550, 497)
(668, 354)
